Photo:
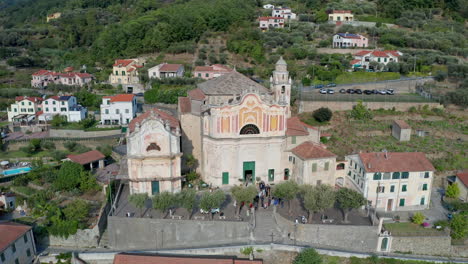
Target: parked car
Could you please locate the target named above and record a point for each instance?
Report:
(331, 85)
(350, 91)
(139, 94)
(382, 92)
(323, 91)
(319, 86)
(368, 92)
(358, 91)
(390, 92)
(343, 91)
(330, 91)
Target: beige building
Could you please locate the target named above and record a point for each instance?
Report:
(24, 108)
(153, 153)
(313, 164)
(241, 131)
(461, 179)
(401, 130)
(341, 15)
(53, 16)
(394, 181)
(125, 73)
(16, 243)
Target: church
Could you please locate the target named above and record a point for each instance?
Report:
(239, 131)
(242, 132)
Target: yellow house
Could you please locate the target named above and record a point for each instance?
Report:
(341, 15)
(125, 73)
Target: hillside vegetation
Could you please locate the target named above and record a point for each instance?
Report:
(94, 33)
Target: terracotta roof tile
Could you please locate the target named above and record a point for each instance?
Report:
(42, 72)
(402, 124)
(10, 232)
(29, 98)
(170, 67)
(309, 150)
(396, 162)
(353, 62)
(87, 157)
(378, 53)
(134, 258)
(393, 52)
(269, 17)
(120, 98)
(295, 127)
(184, 105)
(196, 94)
(123, 63)
(463, 176)
(362, 53)
(173, 122)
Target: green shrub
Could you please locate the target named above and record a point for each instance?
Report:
(418, 218)
(453, 191)
(308, 256)
(323, 114)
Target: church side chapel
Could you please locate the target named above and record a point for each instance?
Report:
(153, 153)
(239, 131)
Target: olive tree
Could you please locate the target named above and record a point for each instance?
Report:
(243, 194)
(348, 200)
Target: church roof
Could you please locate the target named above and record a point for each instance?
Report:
(281, 61)
(173, 122)
(229, 84)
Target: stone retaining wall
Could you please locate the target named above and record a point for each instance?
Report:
(146, 233)
(70, 133)
(310, 106)
(435, 246)
(348, 237)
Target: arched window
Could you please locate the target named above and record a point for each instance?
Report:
(249, 129)
(153, 146)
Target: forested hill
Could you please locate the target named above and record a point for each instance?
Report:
(95, 32)
(106, 29)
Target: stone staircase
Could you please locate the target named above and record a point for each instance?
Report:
(266, 227)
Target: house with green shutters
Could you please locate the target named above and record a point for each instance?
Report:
(392, 181)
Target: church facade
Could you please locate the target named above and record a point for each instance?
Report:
(242, 132)
(153, 153)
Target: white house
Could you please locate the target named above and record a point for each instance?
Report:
(7, 201)
(43, 78)
(166, 70)
(24, 107)
(394, 181)
(66, 106)
(347, 40)
(118, 109)
(363, 58)
(16, 243)
(266, 23)
(284, 12)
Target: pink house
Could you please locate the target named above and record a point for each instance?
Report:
(346, 40)
(43, 78)
(270, 22)
(210, 72)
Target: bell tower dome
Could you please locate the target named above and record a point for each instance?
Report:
(281, 83)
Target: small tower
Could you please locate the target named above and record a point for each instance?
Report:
(281, 82)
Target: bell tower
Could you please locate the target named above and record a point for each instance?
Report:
(281, 83)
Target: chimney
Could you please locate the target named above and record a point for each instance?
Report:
(369, 165)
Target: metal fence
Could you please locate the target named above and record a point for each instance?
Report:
(315, 95)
